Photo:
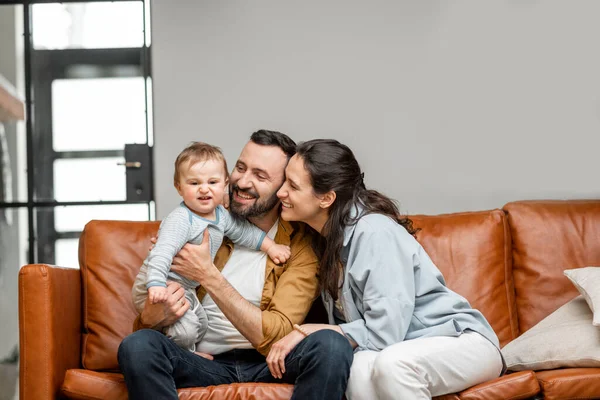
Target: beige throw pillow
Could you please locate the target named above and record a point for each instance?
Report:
(587, 281)
(565, 338)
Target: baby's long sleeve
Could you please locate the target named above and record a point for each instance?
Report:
(173, 234)
(242, 232)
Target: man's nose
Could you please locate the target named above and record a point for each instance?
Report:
(244, 181)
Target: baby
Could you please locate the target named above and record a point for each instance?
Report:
(200, 179)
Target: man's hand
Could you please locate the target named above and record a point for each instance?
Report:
(194, 261)
(226, 199)
(157, 294)
(279, 253)
(280, 350)
(164, 314)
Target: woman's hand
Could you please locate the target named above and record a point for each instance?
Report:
(194, 261)
(204, 355)
(280, 350)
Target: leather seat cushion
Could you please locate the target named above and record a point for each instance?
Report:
(517, 386)
(82, 384)
(570, 383)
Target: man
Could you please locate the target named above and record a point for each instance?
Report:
(251, 303)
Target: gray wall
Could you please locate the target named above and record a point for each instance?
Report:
(9, 255)
(449, 106)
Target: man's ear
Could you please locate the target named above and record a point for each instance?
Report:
(327, 199)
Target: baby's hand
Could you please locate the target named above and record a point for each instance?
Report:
(279, 253)
(157, 294)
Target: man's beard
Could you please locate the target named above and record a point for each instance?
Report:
(255, 210)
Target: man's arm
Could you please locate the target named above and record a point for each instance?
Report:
(296, 289)
(194, 262)
(245, 316)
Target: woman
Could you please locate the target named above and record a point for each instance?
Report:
(413, 337)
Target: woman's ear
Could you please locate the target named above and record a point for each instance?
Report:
(327, 199)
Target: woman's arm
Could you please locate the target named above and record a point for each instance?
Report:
(382, 263)
(312, 328)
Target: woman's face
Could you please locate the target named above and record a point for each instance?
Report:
(298, 200)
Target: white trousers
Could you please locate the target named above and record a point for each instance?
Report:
(423, 368)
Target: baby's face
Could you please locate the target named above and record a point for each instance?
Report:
(202, 186)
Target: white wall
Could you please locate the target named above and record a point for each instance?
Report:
(449, 106)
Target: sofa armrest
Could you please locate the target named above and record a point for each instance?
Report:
(49, 328)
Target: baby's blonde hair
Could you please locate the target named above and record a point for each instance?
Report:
(196, 152)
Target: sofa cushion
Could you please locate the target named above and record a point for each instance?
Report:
(587, 281)
(517, 386)
(110, 256)
(472, 250)
(245, 391)
(91, 385)
(82, 384)
(570, 383)
(549, 237)
(566, 338)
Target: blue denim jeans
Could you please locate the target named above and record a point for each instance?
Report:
(154, 366)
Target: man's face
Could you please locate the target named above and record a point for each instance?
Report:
(255, 179)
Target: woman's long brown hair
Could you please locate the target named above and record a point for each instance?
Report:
(331, 165)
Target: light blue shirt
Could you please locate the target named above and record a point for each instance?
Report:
(392, 291)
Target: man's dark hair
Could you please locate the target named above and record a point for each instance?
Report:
(274, 138)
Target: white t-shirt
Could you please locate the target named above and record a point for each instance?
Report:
(245, 271)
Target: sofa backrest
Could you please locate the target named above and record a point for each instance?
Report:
(507, 263)
(472, 250)
(110, 256)
(547, 238)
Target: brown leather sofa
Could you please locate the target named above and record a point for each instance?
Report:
(507, 262)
